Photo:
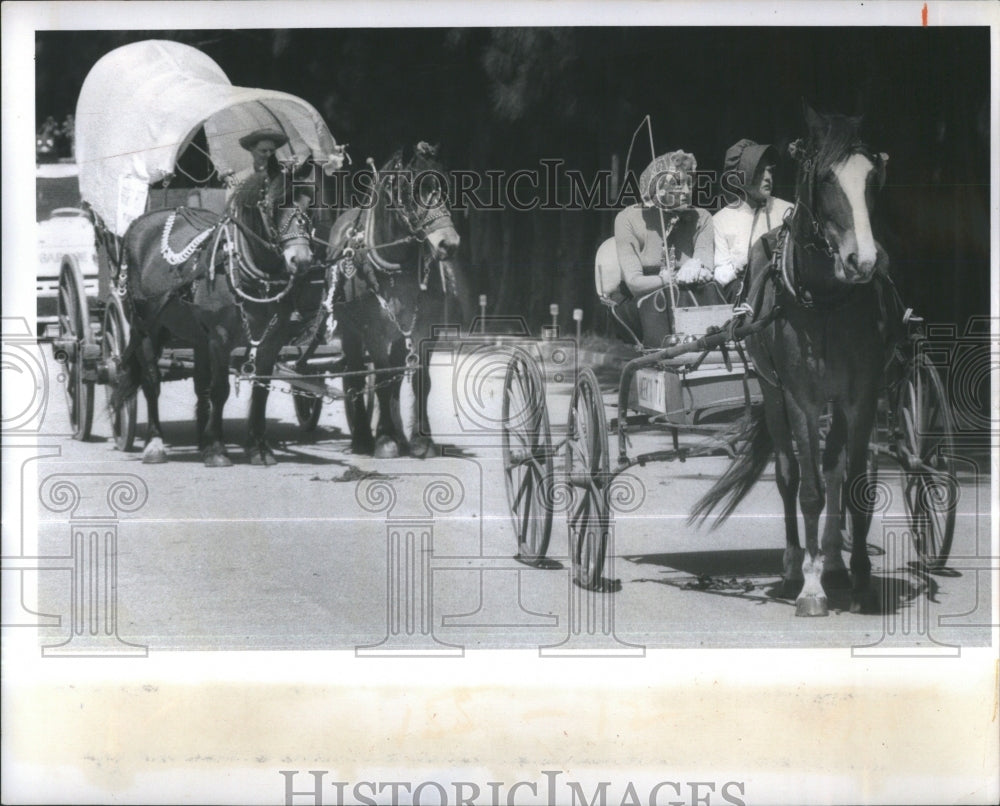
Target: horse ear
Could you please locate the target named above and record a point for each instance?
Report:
(426, 150)
(814, 122)
(883, 160)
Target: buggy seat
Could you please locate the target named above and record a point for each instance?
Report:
(693, 313)
(691, 387)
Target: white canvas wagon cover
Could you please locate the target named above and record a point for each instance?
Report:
(141, 105)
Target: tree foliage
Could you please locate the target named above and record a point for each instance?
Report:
(508, 98)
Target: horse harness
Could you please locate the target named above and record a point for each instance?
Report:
(359, 240)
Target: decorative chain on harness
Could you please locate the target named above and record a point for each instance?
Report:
(177, 258)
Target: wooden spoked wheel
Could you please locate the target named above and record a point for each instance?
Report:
(527, 457)
(587, 473)
(114, 339)
(307, 410)
(924, 436)
(74, 336)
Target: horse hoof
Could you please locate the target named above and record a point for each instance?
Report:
(790, 588)
(422, 447)
(863, 602)
(154, 457)
(811, 605)
(836, 580)
(386, 448)
(260, 454)
(218, 460)
(362, 450)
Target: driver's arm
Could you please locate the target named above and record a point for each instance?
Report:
(629, 244)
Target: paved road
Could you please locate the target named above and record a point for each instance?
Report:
(311, 553)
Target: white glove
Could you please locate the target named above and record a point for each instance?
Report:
(693, 272)
(725, 274)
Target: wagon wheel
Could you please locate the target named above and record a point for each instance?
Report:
(114, 339)
(527, 457)
(307, 410)
(924, 441)
(587, 471)
(75, 334)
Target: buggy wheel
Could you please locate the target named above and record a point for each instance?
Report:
(527, 457)
(924, 441)
(74, 337)
(114, 339)
(587, 471)
(307, 410)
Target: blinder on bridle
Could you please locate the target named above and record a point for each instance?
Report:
(295, 226)
(418, 195)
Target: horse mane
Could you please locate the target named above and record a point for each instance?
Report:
(840, 139)
(248, 193)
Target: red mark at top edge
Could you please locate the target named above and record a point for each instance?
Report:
(923, 15)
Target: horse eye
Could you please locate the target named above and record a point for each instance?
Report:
(430, 195)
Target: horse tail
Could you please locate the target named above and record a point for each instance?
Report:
(733, 486)
(129, 378)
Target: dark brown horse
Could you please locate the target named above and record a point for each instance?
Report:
(186, 273)
(390, 267)
(825, 348)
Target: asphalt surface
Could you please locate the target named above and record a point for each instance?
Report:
(309, 554)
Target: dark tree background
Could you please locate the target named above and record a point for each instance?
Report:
(504, 99)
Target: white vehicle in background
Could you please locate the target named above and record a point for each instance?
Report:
(65, 235)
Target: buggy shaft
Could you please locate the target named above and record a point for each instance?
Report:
(710, 341)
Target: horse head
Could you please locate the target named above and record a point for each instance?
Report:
(279, 233)
(417, 190)
(837, 181)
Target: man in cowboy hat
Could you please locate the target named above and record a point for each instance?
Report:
(754, 211)
(262, 145)
(660, 241)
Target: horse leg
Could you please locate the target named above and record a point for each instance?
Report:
(786, 474)
(858, 500)
(835, 575)
(258, 449)
(421, 443)
(217, 393)
(390, 439)
(203, 402)
(811, 600)
(355, 409)
(154, 453)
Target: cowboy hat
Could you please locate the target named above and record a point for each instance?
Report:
(248, 141)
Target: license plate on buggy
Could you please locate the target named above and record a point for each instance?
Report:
(652, 390)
